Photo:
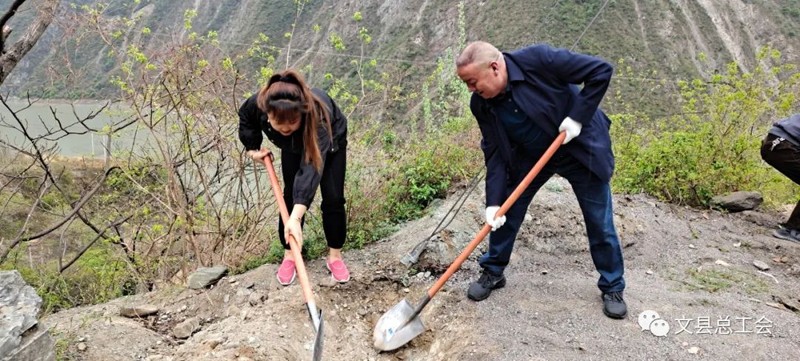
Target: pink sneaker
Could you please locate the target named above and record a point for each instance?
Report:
(286, 272)
(338, 270)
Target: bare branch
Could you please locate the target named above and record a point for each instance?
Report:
(85, 248)
(6, 17)
(10, 58)
(61, 222)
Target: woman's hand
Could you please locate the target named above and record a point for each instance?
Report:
(294, 229)
(259, 155)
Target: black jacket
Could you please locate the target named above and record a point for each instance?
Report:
(253, 124)
(788, 129)
(541, 79)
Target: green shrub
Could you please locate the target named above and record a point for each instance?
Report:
(713, 146)
(98, 276)
(422, 178)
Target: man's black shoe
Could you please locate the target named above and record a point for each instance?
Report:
(482, 288)
(614, 306)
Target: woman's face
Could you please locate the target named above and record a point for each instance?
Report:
(284, 126)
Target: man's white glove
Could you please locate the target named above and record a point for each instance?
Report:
(572, 128)
(495, 223)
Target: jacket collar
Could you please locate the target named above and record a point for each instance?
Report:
(513, 70)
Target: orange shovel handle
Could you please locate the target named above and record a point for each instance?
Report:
(293, 245)
(503, 209)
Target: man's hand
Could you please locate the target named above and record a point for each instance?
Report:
(495, 223)
(258, 155)
(572, 128)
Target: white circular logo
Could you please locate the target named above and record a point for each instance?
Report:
(646, 317)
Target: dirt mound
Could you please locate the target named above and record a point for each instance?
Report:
(695, 268)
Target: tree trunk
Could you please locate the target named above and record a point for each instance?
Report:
(12, 55)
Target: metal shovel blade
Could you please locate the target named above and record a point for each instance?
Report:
(318, 342)
(394, 329)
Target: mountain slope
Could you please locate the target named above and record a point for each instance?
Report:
(662, 35)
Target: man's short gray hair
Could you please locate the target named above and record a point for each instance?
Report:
(477, 52)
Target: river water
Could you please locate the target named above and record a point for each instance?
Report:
(40, 117)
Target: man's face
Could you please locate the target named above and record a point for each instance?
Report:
(484, 79)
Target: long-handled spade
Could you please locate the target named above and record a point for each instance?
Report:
(401, 323)
(308, 296)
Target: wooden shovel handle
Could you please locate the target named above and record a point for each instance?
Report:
(300, 266)
(503, 209)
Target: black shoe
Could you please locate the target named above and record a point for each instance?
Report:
(482, 288)
(787, 234)
(614, 306)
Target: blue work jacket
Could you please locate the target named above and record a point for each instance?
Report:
(542, 81)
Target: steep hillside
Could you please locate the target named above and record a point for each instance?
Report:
(662, 35)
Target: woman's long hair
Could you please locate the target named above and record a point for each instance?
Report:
(287, 96)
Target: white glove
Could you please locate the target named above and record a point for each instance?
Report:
(495, 223)
(572, 128)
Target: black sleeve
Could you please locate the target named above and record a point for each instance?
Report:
(250, 124)
(573, 68)
(496, 171)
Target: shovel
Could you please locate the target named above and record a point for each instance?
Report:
(308, 296)
(401, 323)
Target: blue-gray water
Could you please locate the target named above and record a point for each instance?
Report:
(41, 116)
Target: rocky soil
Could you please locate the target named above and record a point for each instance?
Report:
(724, 286)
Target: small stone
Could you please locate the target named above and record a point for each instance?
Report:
(544, 272)
(81, 339)
(761, 265)
(233, 311)
(327, 282)
(738, 201)
(649, 272)
(737, 244)
(186, 328)
(249, 284)
(787, 302)
(722, 263)
(213, 343)
(685, 344)
(406, 290)
(774, 305)
(232, 280)
(692, 246)
(138, 311)
(255, 298)
(206, 276)
(226, 299)
(81, 346)
(693, 350)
